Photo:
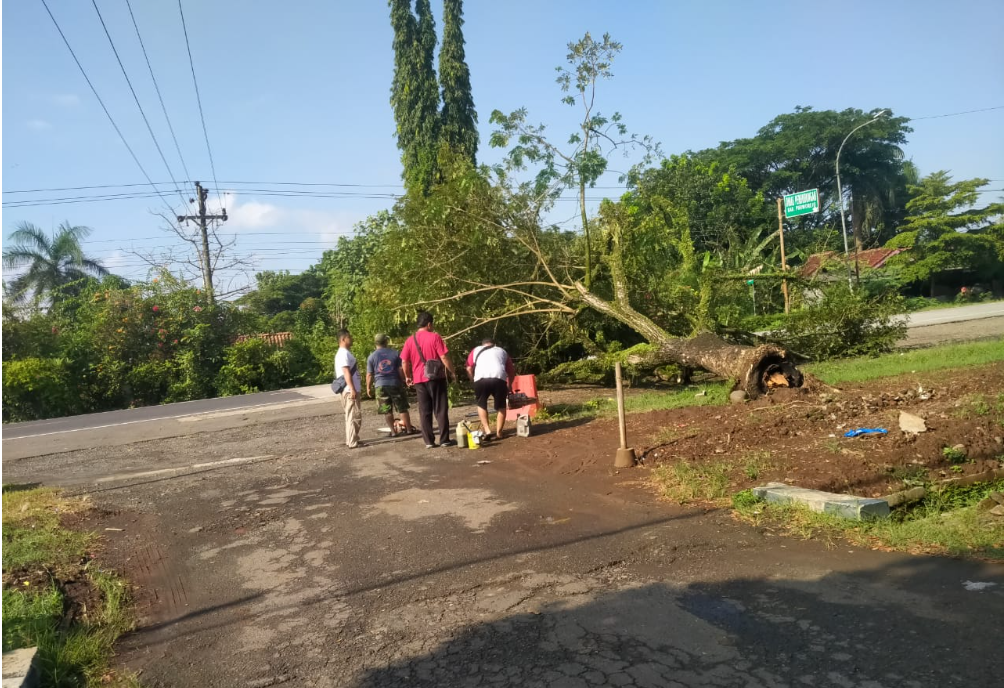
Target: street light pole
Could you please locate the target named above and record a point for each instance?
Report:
(840, 193)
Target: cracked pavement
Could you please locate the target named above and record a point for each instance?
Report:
(265, 554)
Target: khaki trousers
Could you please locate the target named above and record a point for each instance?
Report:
(353, 418)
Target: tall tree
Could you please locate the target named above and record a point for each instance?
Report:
(598, 136)
(798, 150)
(946, 230)
(459, 119)
(53, 262)
(415, 92)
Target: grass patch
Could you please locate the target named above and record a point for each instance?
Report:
(944, 522)
(980, 406)
(714, 394)
(687, 482)
(754, 464)
(41, 558)
(684, 481)
(916, 361)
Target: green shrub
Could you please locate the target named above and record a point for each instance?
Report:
(252, 366)
(35, 388)
(149, 382)
(257, 366)
(844, 322)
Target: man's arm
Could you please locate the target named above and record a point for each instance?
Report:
(443, 351)
(369, 384)
(510, 370)
(449, 366)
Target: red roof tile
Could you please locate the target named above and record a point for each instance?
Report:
(873, 258)
(276, 339)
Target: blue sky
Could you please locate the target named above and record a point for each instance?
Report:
(298, 92)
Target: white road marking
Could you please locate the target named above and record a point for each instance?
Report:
(190, 416)
(165, 471)
(210, 415)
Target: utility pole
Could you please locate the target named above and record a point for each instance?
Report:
(784, 264)
(207, 265)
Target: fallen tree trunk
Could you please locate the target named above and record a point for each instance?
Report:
(756, 370)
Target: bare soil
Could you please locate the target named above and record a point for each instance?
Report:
(797, 436)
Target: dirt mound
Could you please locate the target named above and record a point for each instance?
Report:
(797, 436)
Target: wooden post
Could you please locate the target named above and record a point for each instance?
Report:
(784, 264)
(621, 419)
(625, 457)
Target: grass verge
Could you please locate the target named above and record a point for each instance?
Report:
(916, 361)
(708, 482)
(945, 522)
(54, 595)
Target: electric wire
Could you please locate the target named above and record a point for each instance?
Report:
(956, 114)
(139, 105)
(101, 102)
(156, 86)
(198, 100)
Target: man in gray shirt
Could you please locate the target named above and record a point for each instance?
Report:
(384, 367)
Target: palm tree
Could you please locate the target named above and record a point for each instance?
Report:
(53, 262)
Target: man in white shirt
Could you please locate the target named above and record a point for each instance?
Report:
(347, 368)
(492, 371)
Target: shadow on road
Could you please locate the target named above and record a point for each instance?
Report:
(910, 623)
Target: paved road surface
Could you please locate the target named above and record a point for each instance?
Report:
(939, 316)
(94, 421)
(267, 554)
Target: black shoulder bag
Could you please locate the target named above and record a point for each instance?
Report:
(434, 369)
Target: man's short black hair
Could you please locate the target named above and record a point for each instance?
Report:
(424, 319)
(343, 333)
(487, 341)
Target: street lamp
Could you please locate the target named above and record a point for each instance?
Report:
(840, 193)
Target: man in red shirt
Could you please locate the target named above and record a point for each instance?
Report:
(427, 367)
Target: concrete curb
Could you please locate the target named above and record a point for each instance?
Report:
(19, 668)
(844, 506)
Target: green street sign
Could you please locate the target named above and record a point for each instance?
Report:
(801, 203)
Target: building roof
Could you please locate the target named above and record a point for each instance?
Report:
(276, 339)
(873, 258)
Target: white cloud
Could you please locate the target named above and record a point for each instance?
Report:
(115, 261)
(65, 100)
(38, 124)
(255, 216)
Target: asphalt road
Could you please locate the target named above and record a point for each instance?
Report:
(146, 414)
(938, 316)
(267, 554)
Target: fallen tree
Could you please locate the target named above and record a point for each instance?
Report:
(501, 228)
(756, 370)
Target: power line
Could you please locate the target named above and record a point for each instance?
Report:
(71, 200)
(264, 192)
(238, 183)
(225, 183)
(156, 87)
(104, 107)
(198, 99)
(956, 114)
(138, 104)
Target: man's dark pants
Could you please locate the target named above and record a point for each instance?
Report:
(433, 398)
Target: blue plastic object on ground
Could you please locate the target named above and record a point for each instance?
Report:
(865, 431)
